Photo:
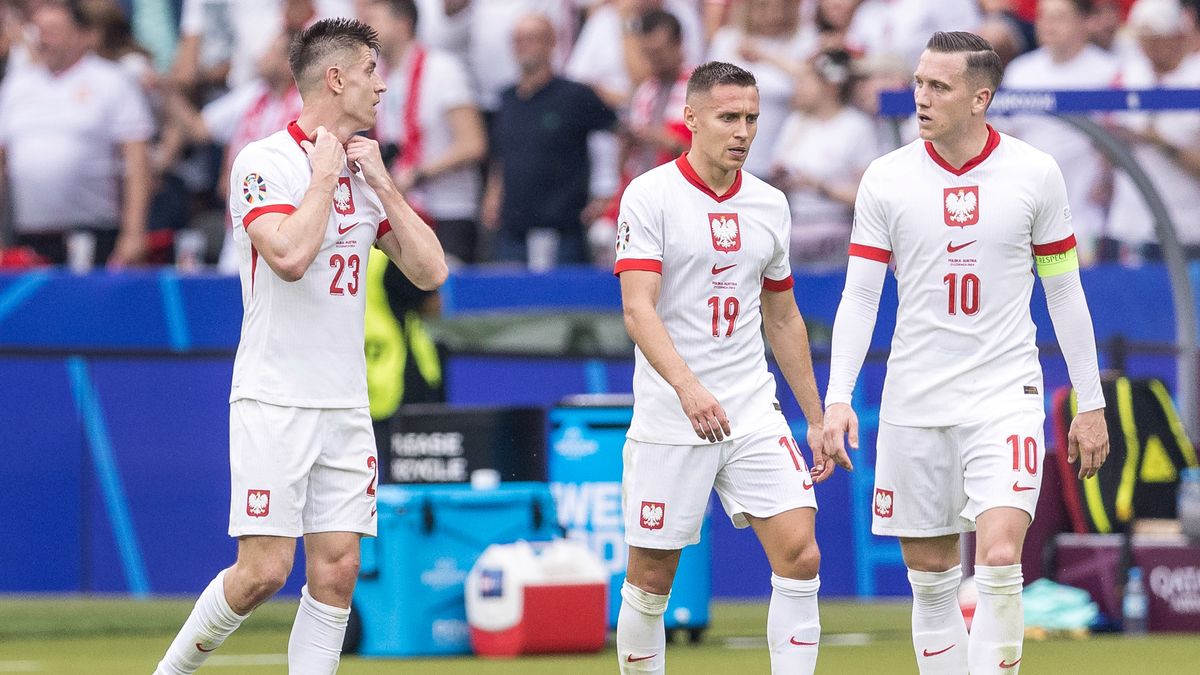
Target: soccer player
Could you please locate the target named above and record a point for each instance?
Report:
(307, 202)
(702, 255)
(967, 213)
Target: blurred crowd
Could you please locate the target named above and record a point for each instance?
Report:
(513, 125)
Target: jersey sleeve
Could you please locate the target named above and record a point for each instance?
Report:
(258, 185)
(778, 275)
(639, 231)
(1053, 239)
(870, 238)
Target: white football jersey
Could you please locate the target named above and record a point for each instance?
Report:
(963, 242)
(716, 253)
(302, 341)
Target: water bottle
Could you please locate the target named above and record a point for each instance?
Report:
(1188, 503)
(1134, 604)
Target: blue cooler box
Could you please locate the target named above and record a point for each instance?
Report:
(586, 444)
(410, 596)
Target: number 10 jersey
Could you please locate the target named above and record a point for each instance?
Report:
(963, 242)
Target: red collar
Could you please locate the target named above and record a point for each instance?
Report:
(685, 167)
(992, 141)
(297, 133)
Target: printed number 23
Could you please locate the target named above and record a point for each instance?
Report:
(729, 311)
(341, 265)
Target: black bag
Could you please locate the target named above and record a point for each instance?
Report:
(1148, 448)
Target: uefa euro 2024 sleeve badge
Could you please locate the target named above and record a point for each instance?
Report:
(622, 236)
(254, 188)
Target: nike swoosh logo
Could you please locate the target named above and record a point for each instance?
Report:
(634, 659)
(344, 230)
(1005, 665)
(801, 644)
(940, 651)
(951, 248)
(200, 646)
(1021, 488)
(808, 485)
(718, 270)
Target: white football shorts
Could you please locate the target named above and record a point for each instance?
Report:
(665, 488)
(934, 481)
(295, 471)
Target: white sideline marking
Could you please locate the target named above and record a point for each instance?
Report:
(20, 667)
(829, 640)
(247, 660)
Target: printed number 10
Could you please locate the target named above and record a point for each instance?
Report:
(969, 300)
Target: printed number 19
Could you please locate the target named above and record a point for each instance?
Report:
(730, 313)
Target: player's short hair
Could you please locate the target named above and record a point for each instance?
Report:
(656, 20)
(982, 61)
(709, 75)
(313, 45)
(405, 9)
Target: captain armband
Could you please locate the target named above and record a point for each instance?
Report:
(1053, 264)
(1056, 258)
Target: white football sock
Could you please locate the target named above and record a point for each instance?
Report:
(793, 625)
(939, 633)
(315, 647)
(998, 630)
(211, 621)
(641, 635)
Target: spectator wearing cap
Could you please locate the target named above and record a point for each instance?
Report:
(73, 142)
(1066, 59)
(1165, 144)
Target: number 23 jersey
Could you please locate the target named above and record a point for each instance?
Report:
(302, 341)
(963, 242)
(716, 254)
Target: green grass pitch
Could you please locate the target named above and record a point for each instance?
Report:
(70, 636)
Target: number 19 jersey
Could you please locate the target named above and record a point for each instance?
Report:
(302, 341)
(963, 241)
(716, 254)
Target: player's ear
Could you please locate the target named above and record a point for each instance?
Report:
(689, 117)
(983, 97)
(333, 79)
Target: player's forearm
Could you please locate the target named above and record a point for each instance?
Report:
(420, 255)
(789, 343)
(853, 326)
(647, 331)
(1073, 325)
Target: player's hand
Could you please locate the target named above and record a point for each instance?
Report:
(840, 422)
(362, 154)
(1087, 441)
(816, 443)
(325, 155)
(705, 413)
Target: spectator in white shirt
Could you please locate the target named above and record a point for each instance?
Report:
(1165, 144)
(607, 56)
(430, 126)
(823, 150)
(902, 27)
(768, 39)
(1066, 59)
(73, 143)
